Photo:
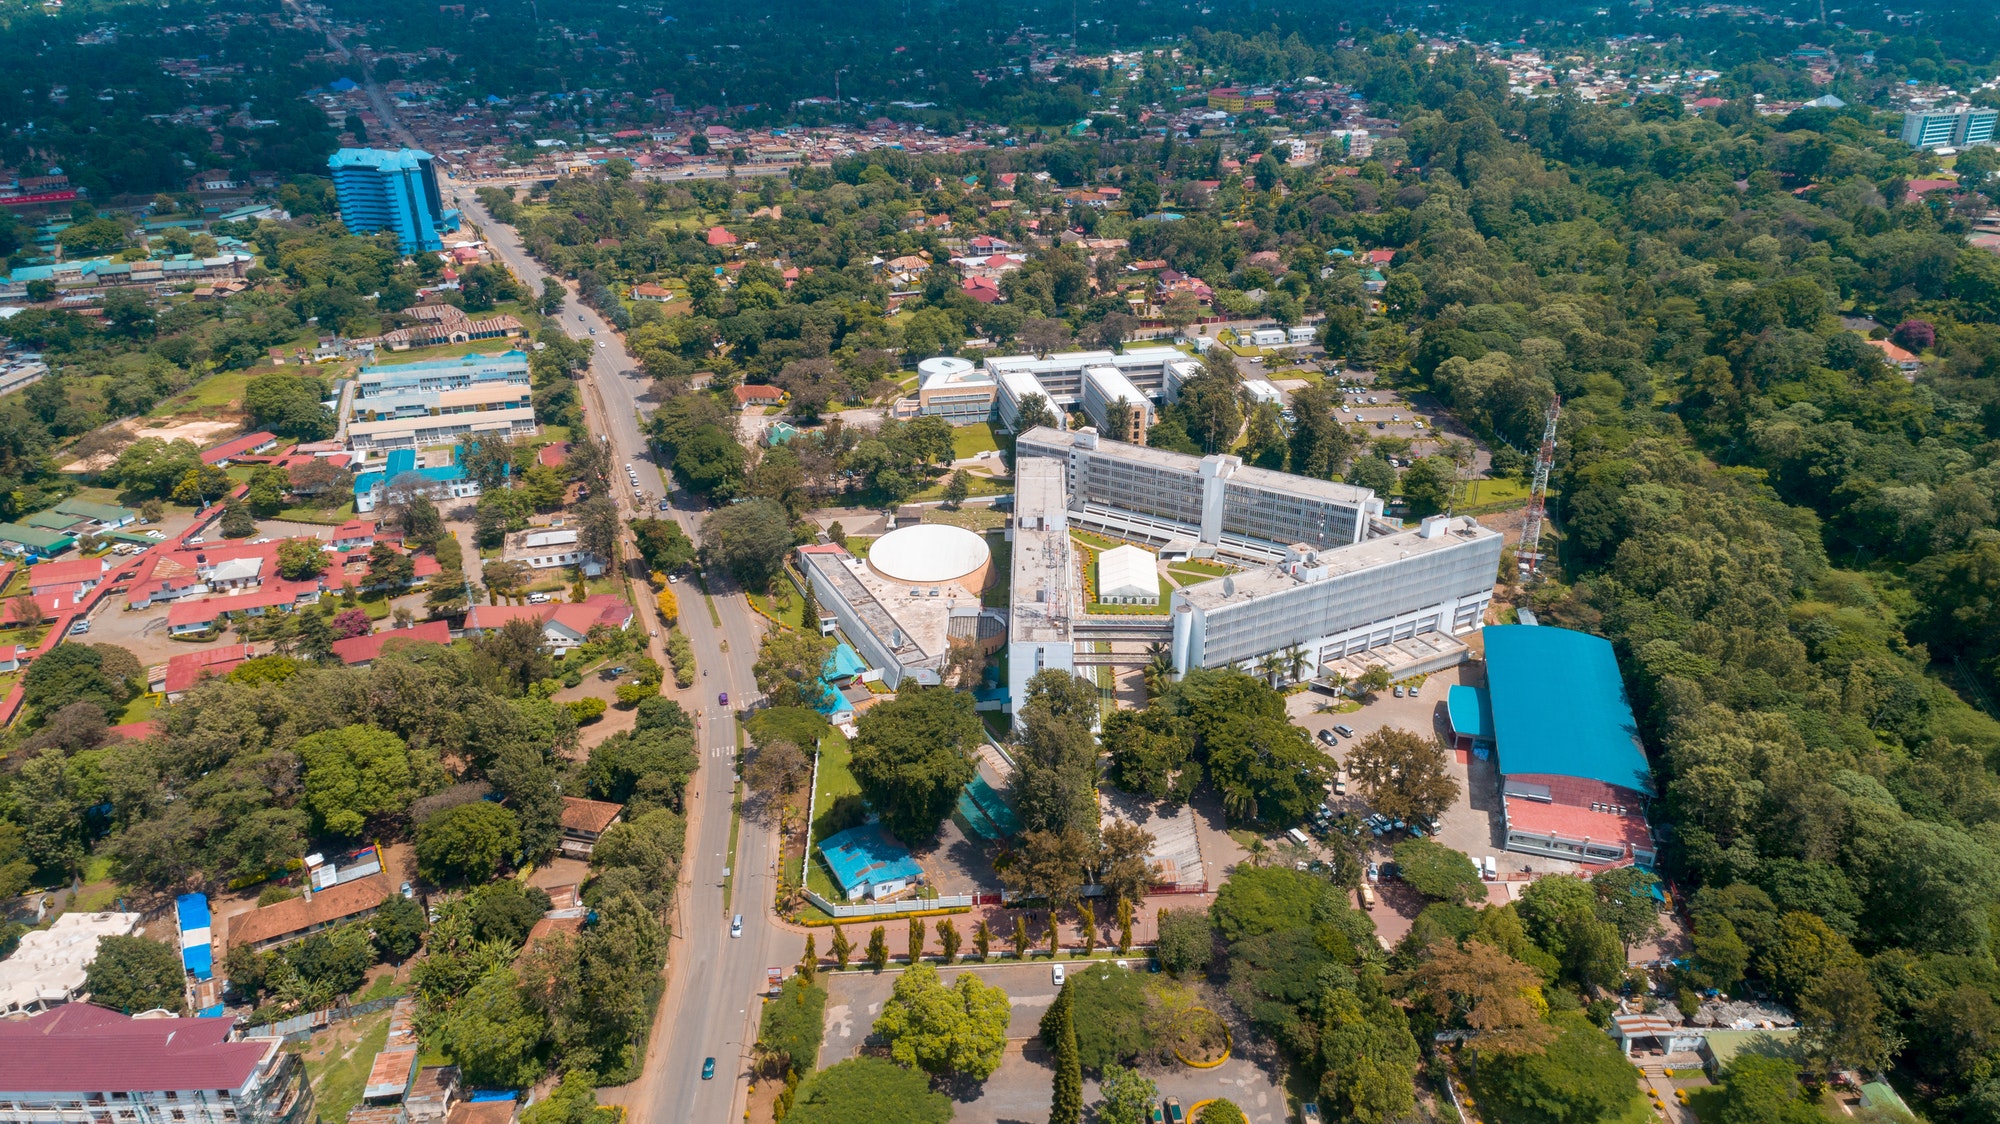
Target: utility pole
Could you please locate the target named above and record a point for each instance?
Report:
(1529, 554)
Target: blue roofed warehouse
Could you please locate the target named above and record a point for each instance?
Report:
(1574, 776)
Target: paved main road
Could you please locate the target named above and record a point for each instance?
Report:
(711, 1003)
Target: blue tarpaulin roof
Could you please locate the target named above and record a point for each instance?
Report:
(214, 1011)
(197, 947)
(866, 855)
(1559, 707)
(1471, 712)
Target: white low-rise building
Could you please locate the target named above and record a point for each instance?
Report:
(48, 968)
(552, 548)
(1127, 575)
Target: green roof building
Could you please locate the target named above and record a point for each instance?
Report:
(33, 542)
(106, 514)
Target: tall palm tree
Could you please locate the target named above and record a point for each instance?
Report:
(1159, 668)
(1295, 661)
(1271, 667)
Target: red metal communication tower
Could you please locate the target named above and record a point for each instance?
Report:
(1529, 554)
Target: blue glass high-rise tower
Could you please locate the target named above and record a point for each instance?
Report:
(397, 190)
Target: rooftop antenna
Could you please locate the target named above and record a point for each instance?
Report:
(1530, 552)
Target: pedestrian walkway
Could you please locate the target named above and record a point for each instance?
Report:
(1000, 919)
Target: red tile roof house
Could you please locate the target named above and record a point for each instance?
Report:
(80, 1052)
(360, 651)
(10, 657)
(191, 618)
(748, 396)
(51, 577)
(1893, 355)
(985, 290)
(584, 822)
(717, 236)
(247, 445)
(297, 918)
(182, 672)
(355, 534)
(564, 626)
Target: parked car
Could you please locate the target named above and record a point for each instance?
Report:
(1413, 692)
(79, 628)
(1175, 1114)
(1399, 691)
(1344, 731)
(408, 890)
(1056, 975)
(538, 599)
(1327, 737)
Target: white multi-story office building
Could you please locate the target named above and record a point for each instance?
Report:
(1217, 500)
(1104, 386)
(1326, 578)
(961, 393)
(415, 405)
(1332, 604)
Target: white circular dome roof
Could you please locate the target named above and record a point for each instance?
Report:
(943, 365)
(928, 552)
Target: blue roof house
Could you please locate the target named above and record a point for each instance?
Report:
(868, 863)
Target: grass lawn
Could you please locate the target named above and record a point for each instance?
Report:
(339, 1078)
(789, 612)
(138, 710)
(1198, 566)
(976, 485)
(216, 392)
(970, 440)
(322, 516)
(1095, 542)
(995, 596)
(971, 518)
(836, 779)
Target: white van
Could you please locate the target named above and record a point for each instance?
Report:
(1298, 837)
(1490, 867)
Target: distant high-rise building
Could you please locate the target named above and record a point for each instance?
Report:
(396, 190)
(1953, 128)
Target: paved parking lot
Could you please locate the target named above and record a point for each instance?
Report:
(1473, 824)
(1019, 1091)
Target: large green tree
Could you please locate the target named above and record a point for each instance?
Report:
(913, 755)
(353, 775)
(956, 1031)
(867, 1091)
(134, 974)
(468, 842)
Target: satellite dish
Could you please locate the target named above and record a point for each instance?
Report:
(1229, 587)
